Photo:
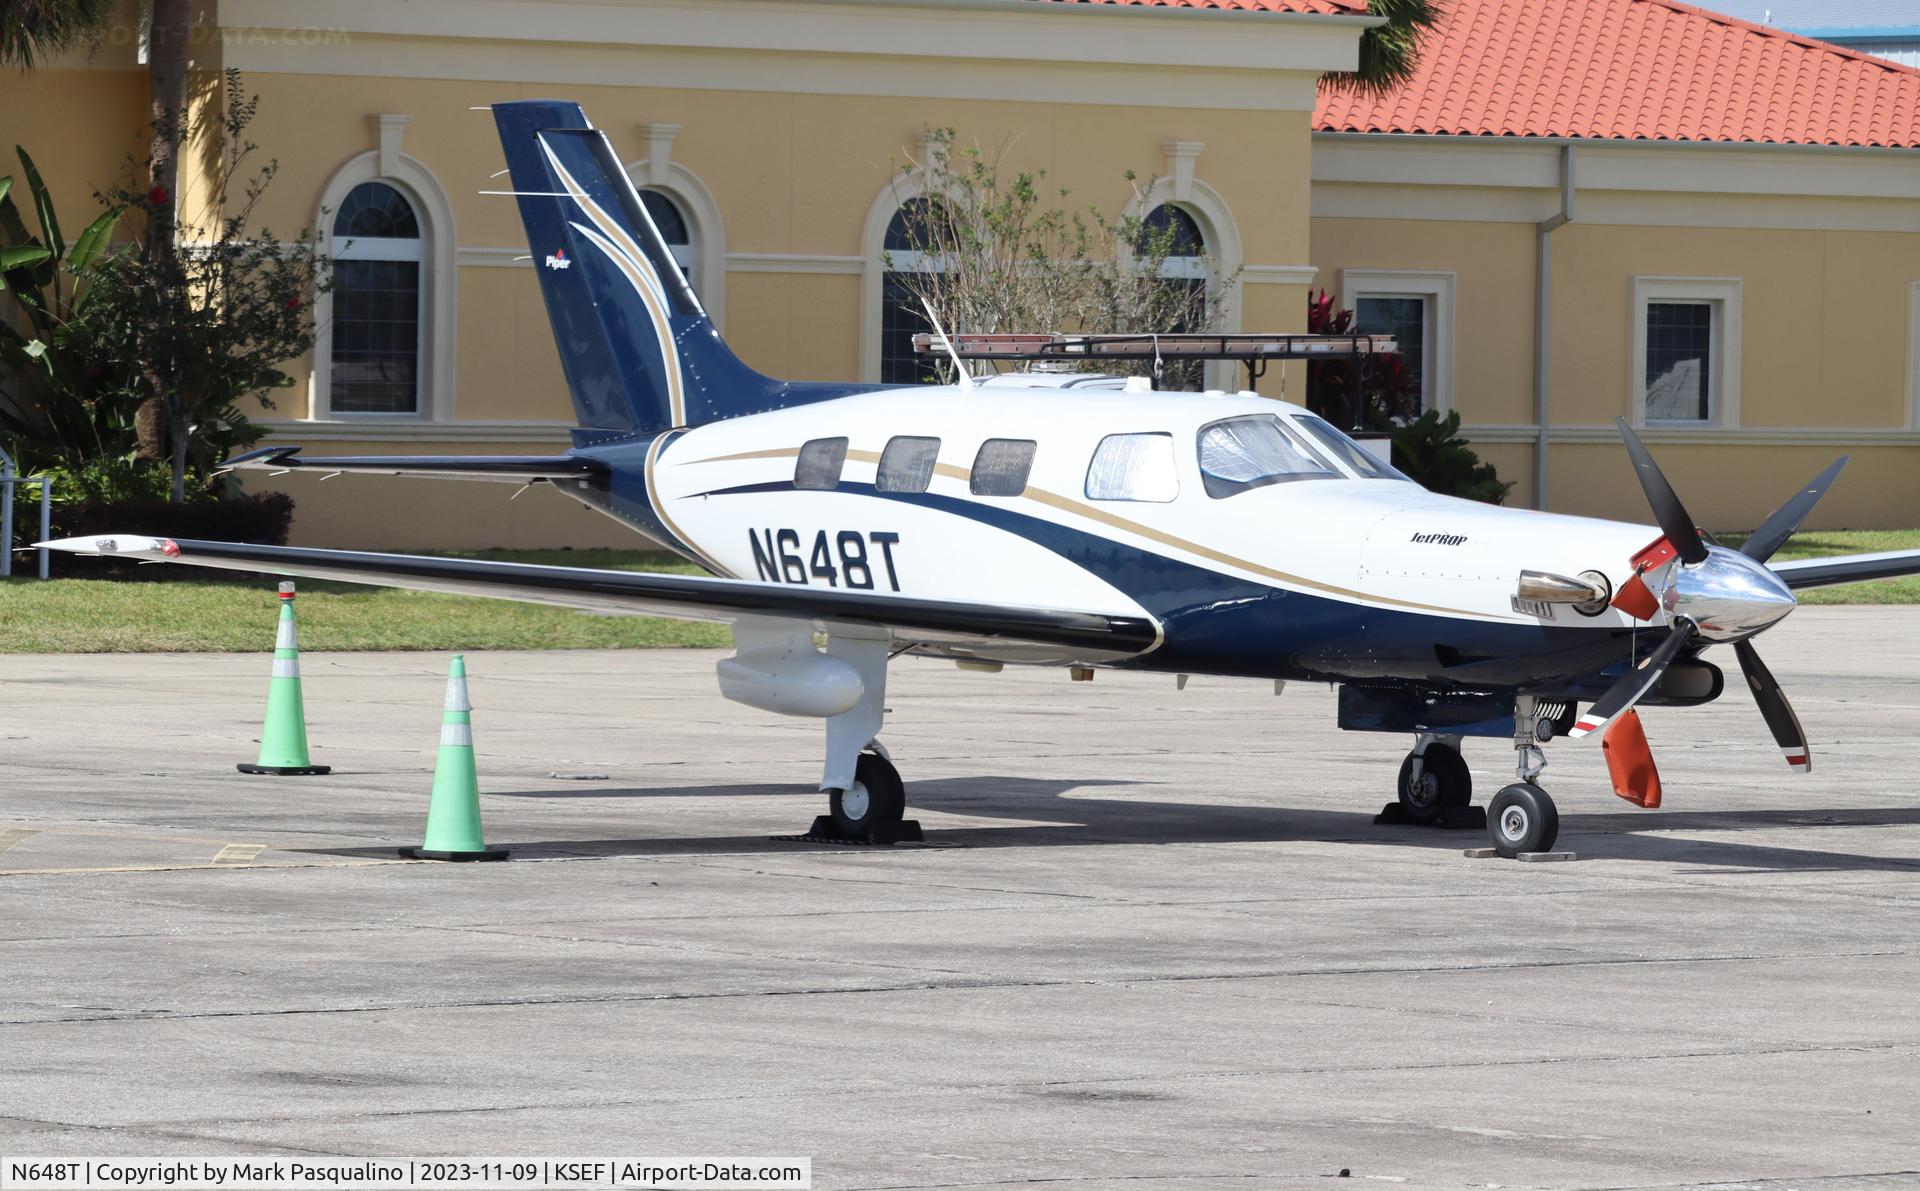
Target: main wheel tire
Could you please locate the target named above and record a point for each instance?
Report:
(1444, 784)
(877, 798)
(1521, 818)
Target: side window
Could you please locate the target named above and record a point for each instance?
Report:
(1133, 467)
(819, 464)
(1001, 467)
(907, 464)
(1364, 463)
(1242, 454)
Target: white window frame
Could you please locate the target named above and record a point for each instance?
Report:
(439, 283)
(1722, 294)
(1437, 288)
(387, 248)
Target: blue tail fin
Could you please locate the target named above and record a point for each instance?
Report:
(641, 355)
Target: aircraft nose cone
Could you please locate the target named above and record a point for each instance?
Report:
(1729, 596)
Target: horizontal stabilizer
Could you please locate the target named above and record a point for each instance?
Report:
(513, 469)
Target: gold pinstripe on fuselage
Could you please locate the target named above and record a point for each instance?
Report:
(1081, 509)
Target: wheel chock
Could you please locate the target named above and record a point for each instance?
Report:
(907, 831)
(1529, 857)
(1451, 818)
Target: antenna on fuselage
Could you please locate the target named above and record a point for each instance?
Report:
(959, 366)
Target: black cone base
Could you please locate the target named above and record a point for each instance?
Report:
(285, 770)
(428, 854)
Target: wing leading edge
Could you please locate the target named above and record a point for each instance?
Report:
(1847, 568)
(941, 624)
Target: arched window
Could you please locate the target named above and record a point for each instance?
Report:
(378, 253)
(1184, 272)
(675, 228)
(909, 234)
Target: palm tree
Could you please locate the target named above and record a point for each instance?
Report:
(1390, 52)
(32, 29)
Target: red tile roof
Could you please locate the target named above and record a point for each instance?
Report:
(1637, 70)
(1324, 7)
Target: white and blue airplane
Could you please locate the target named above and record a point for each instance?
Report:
(1070, 521)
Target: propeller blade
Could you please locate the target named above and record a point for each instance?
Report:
(1781, 720)
(1623, 694)
(1667, 509)
(1787, 518)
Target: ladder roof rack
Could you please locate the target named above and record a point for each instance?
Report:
(1182, 346)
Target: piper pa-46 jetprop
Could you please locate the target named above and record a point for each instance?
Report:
(1070, 521)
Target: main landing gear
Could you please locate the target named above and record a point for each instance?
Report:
(866, 800)
(1435, 790)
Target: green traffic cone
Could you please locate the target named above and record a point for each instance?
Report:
(453, 817)
(283, 740)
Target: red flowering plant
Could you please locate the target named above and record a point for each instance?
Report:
(1372, 393)
(1380, 394)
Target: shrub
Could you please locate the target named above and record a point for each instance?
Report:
(261, 517)
(1430, 451)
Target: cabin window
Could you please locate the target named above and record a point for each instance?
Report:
(818, 467)
(907, 464)
(1245, 453)
(1001, 467)
(1364, 463)
(1133, 467)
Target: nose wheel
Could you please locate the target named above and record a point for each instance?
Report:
(1522, 818)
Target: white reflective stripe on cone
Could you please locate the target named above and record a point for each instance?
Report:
(456, 736)
(457, 695)
(286, 667)
(285, 639)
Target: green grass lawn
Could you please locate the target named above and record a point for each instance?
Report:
(225, 615)
(238, 616)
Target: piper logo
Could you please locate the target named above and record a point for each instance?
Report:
(558, 260)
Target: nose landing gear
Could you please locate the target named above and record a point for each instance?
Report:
(1522, 817)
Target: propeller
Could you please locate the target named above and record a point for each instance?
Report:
(1714, 595)
(1667, 509)
(1622, 695)
(1787, 518)
(1781, 721)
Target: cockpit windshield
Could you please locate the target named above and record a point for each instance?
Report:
(1363, 462)
(1241, 454)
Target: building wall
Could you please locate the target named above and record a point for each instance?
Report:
(790, 120)
(1824, 246)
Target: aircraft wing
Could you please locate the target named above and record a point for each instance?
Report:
(1004, 631)
(514, 469)
(1847, 568)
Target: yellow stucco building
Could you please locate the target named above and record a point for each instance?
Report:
(770, 135)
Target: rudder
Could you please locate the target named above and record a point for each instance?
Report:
(640, 353)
